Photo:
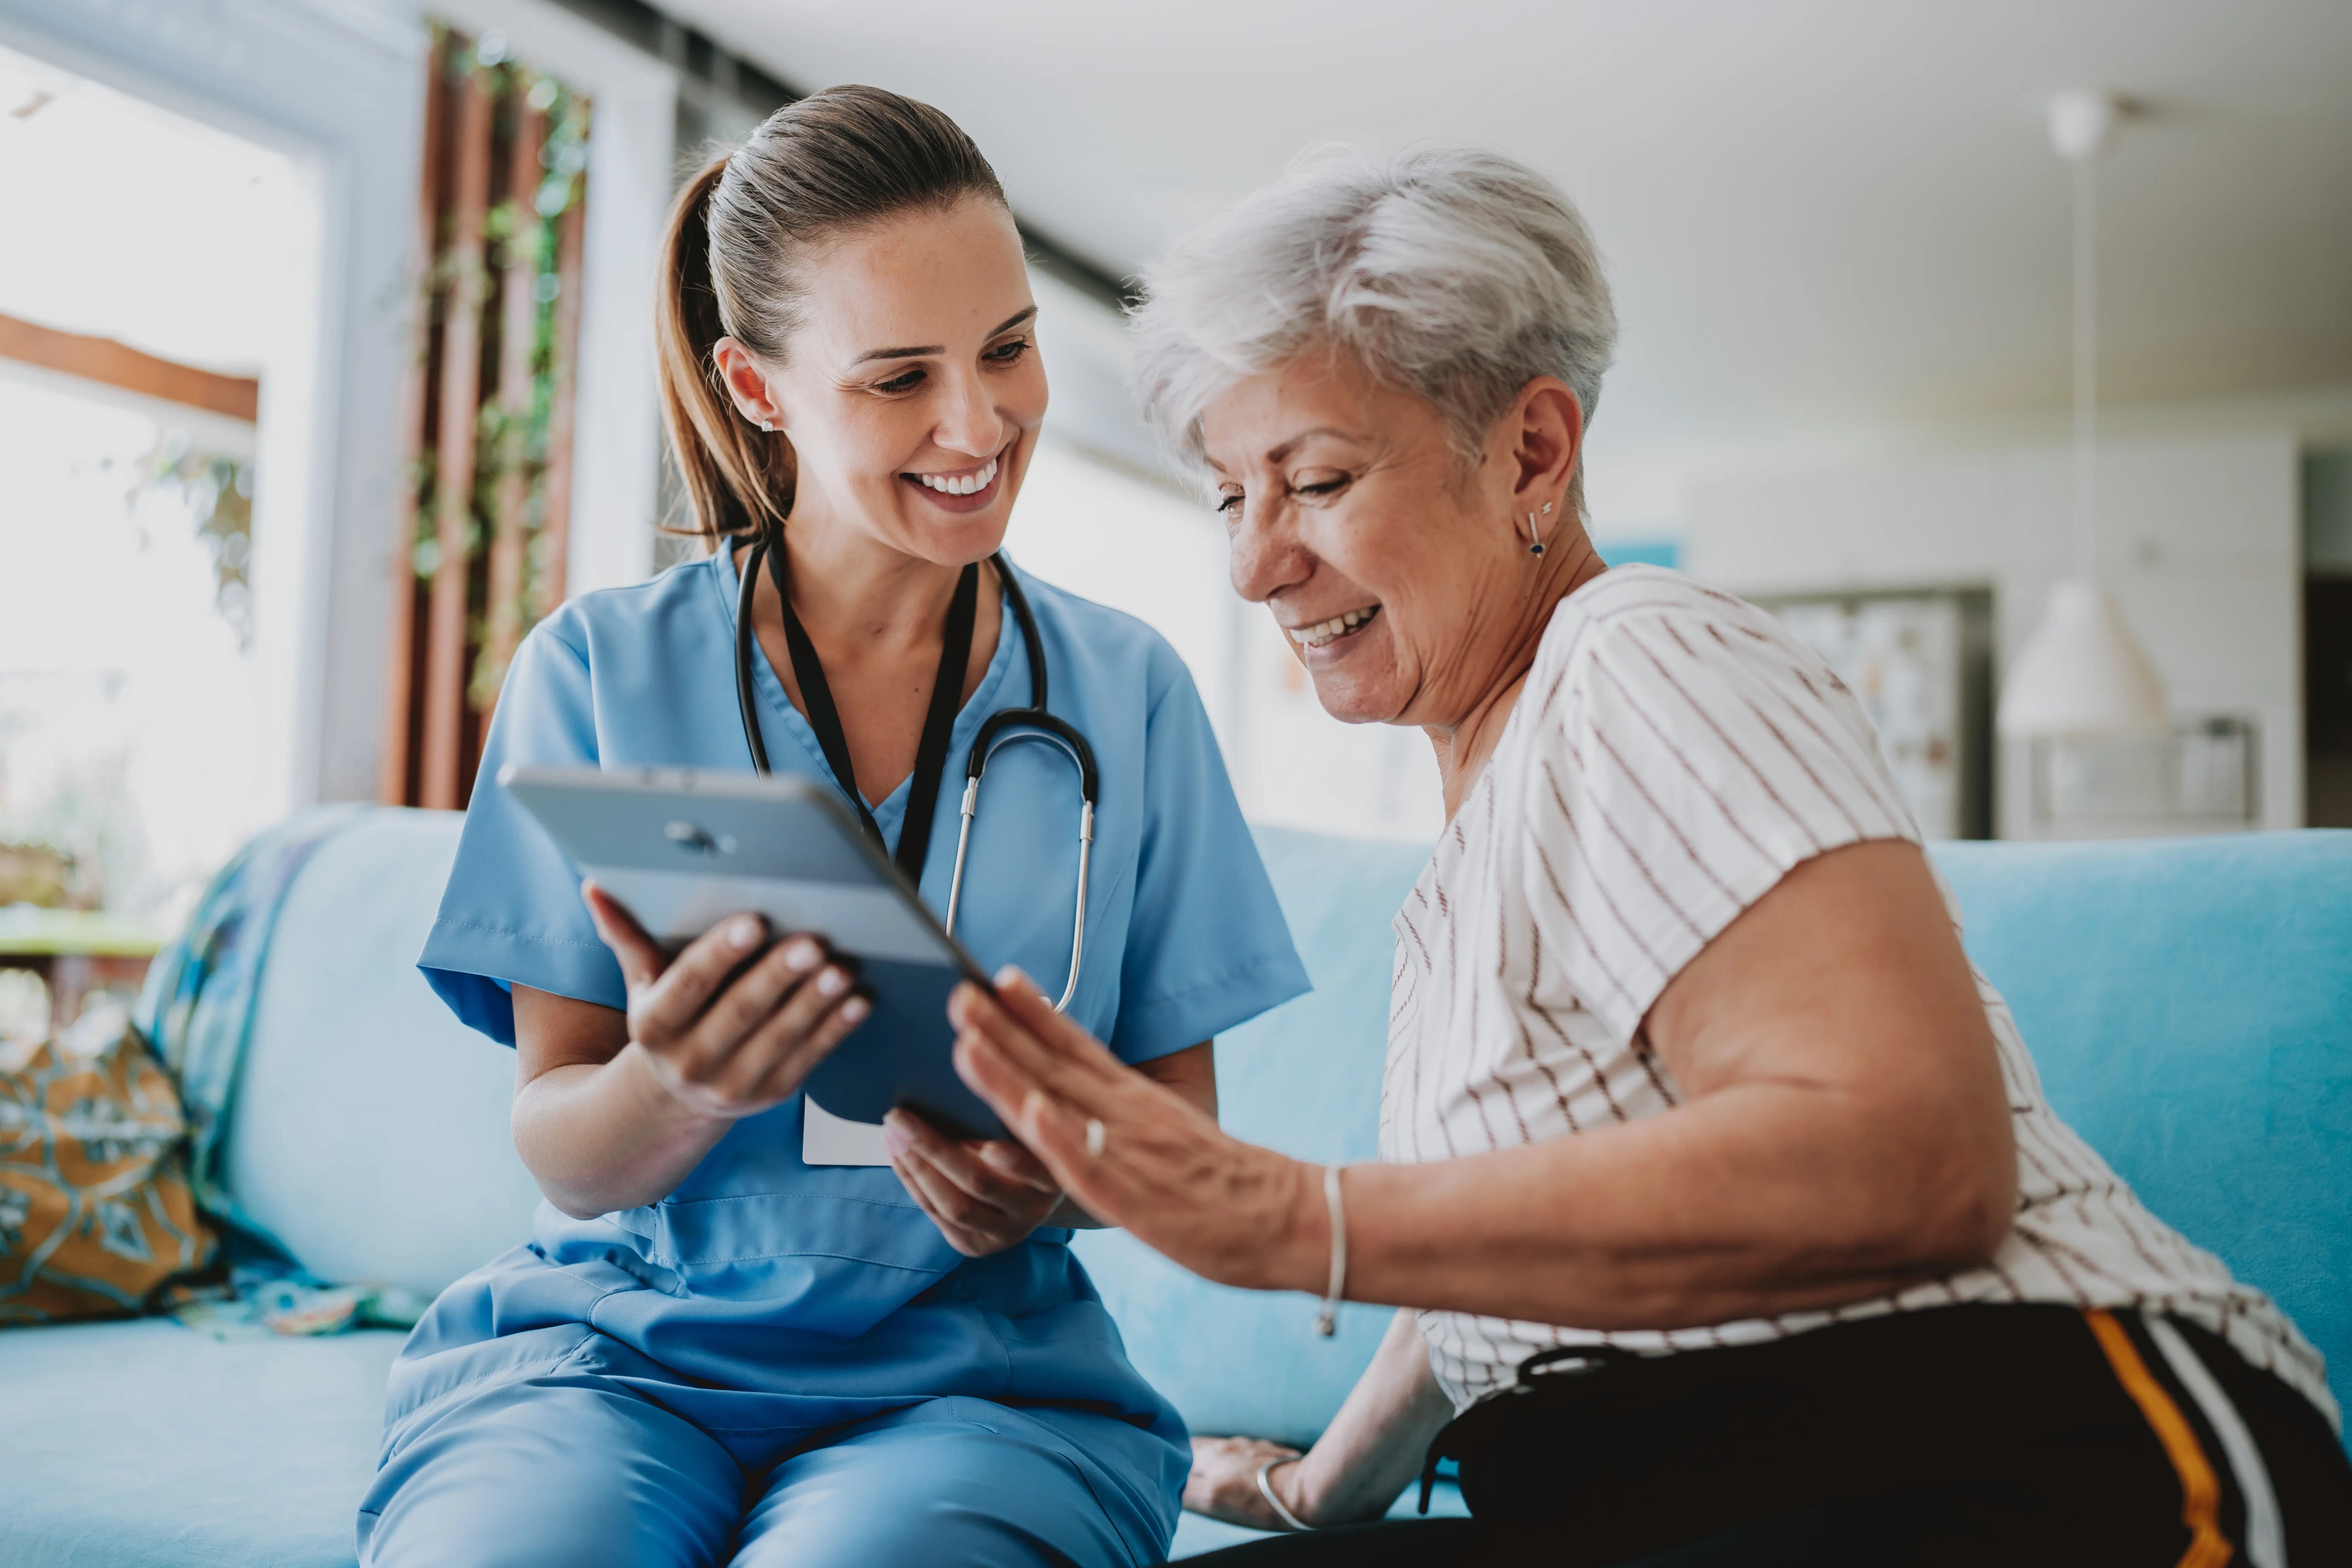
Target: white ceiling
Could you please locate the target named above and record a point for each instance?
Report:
(1820, 216)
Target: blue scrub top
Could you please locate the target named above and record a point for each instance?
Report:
(764, 1294)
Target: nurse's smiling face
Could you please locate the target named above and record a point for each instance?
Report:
(1399, 574)
(912, 391)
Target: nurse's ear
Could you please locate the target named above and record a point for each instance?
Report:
(746, 384)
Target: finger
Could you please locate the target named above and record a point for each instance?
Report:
(1012, 1208)
(704, 1049)
(970, 1228)
(1017, 1164)
(1027, 1203)
(641, 956)
(954, 1234)
(1051, 1049)
(775, 1060)
(1018, 996)
(966, 1165)
(669, 1007)
(1041, 1066)
(1050, 1129)
(968, 1209)
(1021, 1000)
(993, 1075)
(761, 992)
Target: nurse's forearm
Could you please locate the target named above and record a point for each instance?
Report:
(613, 1111)
(606, 1136)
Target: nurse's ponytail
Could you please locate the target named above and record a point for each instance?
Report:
(730, 257)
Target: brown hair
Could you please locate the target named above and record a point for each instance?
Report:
(833, 162)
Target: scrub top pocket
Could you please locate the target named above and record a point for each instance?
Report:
(832, 1247)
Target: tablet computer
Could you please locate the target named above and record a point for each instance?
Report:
(682, 849)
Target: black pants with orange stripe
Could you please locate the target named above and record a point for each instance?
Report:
(2020, 1436)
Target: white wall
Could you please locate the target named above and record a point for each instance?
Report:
(2199, 541)
(1121, 541)
(1299, 767)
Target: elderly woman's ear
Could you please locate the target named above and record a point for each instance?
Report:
(1545, 439)
(1534, 455)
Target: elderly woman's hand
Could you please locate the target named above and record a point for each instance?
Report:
(1223, 1482)
(1135, 1153)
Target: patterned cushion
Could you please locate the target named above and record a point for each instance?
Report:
(95, 1211)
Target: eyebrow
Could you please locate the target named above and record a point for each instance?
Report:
(1003, 327)
(1277, 453)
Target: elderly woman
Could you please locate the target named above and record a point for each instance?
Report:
(1728, 1214)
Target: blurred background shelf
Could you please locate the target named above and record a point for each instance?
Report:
(77, 953)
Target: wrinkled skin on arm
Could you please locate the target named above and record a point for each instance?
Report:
(1844, 1132)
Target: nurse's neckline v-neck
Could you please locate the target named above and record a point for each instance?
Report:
(892, 807)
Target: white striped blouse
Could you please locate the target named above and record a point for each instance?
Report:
(1674, 753)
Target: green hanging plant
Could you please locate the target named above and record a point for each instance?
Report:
(217, 491)
(520, 232)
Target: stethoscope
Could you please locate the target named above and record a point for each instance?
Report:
(1003, 728)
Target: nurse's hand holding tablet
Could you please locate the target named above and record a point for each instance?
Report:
(732, 1025)
(727, 1029)
(616, 1110)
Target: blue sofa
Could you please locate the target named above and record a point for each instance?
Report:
(2189, 1003)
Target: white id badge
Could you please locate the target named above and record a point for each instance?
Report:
(830, 1140)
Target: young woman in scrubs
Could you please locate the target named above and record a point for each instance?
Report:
(711, 1349)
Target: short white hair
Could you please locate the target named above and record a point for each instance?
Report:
(1453, 272)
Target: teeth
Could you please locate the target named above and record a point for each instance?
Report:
(1323, 632)
(968, 484)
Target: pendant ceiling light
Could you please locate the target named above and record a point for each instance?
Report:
(2082, 674)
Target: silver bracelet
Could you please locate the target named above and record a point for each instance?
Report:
(1327, 1320)
(1265, 1491)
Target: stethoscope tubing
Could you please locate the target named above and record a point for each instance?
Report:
(971, 809)
(1003, 728)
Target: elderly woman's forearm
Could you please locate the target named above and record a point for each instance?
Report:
(1771, 1193)
(1374, 1447)
(1842, 1132)
(1755, 1200)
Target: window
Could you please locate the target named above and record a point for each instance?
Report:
(135, 725)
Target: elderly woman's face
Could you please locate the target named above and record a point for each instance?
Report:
(1352, 519)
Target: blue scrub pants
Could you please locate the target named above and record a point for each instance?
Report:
(578, 1472)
